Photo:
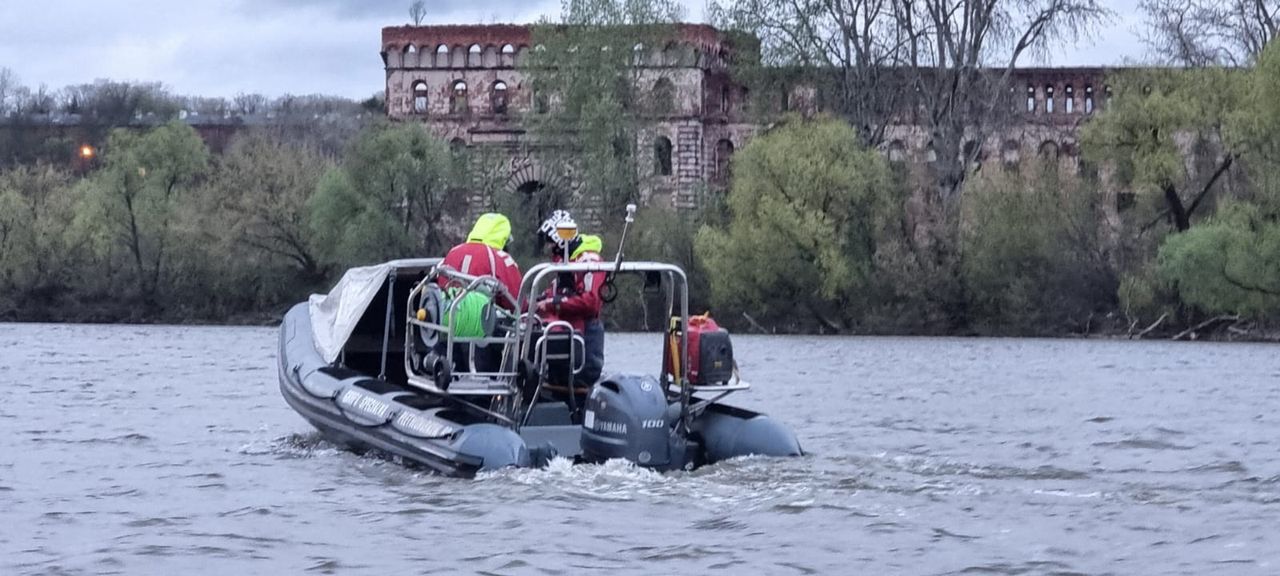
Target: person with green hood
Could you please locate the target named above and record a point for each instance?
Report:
(484, 254)
(576, 299)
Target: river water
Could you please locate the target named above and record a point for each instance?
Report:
(168, 450)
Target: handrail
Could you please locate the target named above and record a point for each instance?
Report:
(472, 283)
(536, 275)
(519, 342)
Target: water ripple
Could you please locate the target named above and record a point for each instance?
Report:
(163, 449)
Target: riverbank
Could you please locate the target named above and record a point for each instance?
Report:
(1215, 329)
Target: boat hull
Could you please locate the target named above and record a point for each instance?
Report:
(362, 412)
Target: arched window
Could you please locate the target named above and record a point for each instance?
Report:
(474, 56)
(508, 57)
(1031, 98)
(1048, 99)
(1010, 154)
(664, 96)
(724, 99)
(458, 103)
(419, 97)
(784, 98)
(638, 55)
(1088, 99)
(442, 56)
(410, 56)
(897, 152)
(671, 55)
(498, 97)
(724, 152)
(1087, 169)
(541, 101)
(1106, 96)
(662, 156)
(1049, 150)
(970, 152)
(1069, 104)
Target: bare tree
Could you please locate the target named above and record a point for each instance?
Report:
(112, 103)
(417, 12)
(26, 102)
(8, 84)
(848, 46)
(206, 105)
(249, 104)
(960, 56)
(1210, 32)
(942, 66)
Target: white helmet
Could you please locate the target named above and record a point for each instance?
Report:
(559, 228)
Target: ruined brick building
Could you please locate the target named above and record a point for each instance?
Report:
(467, 85)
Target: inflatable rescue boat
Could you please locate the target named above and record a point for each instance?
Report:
(380, 363)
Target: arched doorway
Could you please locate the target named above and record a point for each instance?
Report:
(531, 193)
(531, 202)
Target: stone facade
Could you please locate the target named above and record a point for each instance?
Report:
(467, 85)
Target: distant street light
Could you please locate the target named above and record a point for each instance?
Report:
(87, 152)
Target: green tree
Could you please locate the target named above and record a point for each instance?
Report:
(260, 191)
(595, 97)
(1032, 257)
(807, 205)
(391, 198)
(1227, 265)
(132, 206)
(1254, 126)
(37, 262)
(1230, 263)
(1154, 120)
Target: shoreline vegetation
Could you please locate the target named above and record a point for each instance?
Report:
(161, 231)
(1165, 223)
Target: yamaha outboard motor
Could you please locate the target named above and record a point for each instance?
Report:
(628, 417)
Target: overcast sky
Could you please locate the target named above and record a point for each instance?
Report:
(223, 47)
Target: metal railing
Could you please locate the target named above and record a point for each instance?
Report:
(508, 402)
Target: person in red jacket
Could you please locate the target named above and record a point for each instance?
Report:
(483, 254)
(576, 300)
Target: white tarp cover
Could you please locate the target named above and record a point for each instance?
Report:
(334, 315)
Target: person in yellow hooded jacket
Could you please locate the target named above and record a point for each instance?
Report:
(484, 254)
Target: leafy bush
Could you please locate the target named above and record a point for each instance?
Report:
(1031, 254)
(807, 204)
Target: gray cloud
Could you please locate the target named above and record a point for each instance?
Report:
(220, 48)
(389, 9)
